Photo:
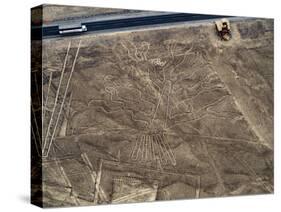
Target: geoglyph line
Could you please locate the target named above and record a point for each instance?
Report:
(64, 96)
(56, 99)
(48, 140)
(47, 96)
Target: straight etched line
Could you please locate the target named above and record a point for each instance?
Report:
(35, 141)
(73, 194)
(97, 184)
(47, 97)
(56, 98)
(169, 151)
(64, 97)
(198, 188)
(135, 148)
(39, 141)
(168, 106)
